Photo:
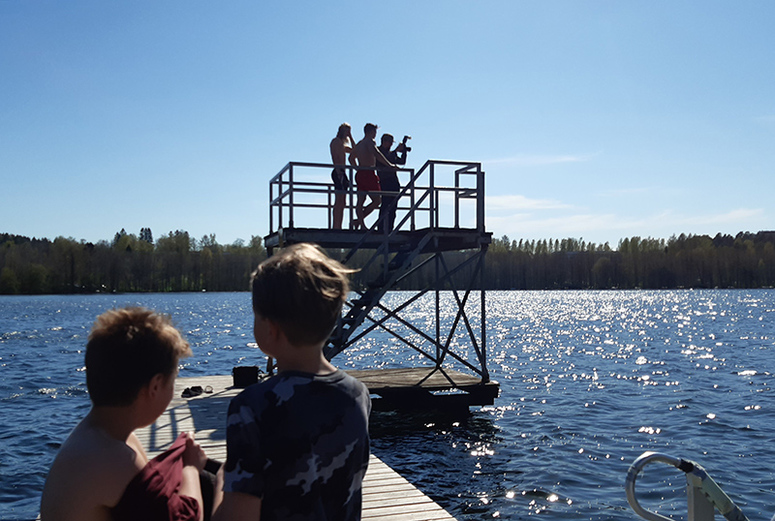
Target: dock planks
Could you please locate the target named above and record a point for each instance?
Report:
(386, 495)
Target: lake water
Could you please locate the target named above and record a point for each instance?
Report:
(589, 381)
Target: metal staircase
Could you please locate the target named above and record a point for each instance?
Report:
(360, 307)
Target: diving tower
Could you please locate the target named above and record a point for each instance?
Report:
(437, 248)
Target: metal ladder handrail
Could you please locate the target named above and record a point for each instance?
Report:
(703, 493)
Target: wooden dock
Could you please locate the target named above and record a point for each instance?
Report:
(386, 495)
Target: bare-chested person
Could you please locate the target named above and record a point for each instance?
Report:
(102, 472)
(340, 146)
(367, 155)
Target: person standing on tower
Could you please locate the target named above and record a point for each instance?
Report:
(340, 146)
(365, 156)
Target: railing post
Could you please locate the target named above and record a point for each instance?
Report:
(290, 197)
(351, 204)
(479, 199)
(412, 222)
(280, 203)
(457, 199)
(432, 215)
(271, 210)
(330, 210)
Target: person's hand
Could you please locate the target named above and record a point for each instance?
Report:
(194, 455)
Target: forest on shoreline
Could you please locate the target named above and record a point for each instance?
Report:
(179, 262)
(746, 260)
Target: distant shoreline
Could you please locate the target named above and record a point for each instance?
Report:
(178, 263)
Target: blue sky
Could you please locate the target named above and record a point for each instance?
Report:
(593, 119)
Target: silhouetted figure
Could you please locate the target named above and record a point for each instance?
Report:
(388, 180)
(365, 155)
(340, 146)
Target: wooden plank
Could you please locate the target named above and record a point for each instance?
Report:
(387, 496)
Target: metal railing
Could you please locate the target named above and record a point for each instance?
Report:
(432, 197)
(704, 496)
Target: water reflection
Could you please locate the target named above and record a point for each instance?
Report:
(443, 456)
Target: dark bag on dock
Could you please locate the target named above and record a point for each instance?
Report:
(245, 375)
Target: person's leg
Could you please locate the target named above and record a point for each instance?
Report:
(207, 484)
(390, 212)
(339, 201)
(373, 205)
(341, 185)
(211, 484)
(382, 216)
(359, 211)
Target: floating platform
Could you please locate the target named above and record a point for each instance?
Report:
(426, 389)
(386, 495)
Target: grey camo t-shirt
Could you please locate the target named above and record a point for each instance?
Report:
(300, 442)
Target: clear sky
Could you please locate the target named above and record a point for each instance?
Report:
(593, 119)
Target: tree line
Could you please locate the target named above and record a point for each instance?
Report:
(178, 262)
(128, 263)
(746, 260)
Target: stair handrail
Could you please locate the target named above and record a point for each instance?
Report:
(703, 493)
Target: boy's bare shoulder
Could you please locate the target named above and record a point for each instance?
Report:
(89, 476)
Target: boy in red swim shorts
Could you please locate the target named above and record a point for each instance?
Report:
(367, 154)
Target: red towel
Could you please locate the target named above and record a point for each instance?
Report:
(153, 494)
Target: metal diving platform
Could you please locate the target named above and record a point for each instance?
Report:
(434, 255)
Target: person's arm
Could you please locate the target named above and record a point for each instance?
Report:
(354, 155)
(237, 506)
(189, 486)
(242, 496)
(381, 157)
(399, 154)
(194, 459)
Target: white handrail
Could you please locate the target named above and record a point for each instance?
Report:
(703, 493)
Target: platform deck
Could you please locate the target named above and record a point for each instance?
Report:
(386, 495)
(446, 239)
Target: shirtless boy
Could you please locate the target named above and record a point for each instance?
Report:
(367, 154)
(131, 362)
(340, 146)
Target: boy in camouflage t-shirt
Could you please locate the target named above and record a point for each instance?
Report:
(297, 443)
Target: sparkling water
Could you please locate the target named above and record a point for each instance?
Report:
(589, 381)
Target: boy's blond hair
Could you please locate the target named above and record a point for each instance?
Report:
(344, 129)
(127, 347)
(302, 290)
